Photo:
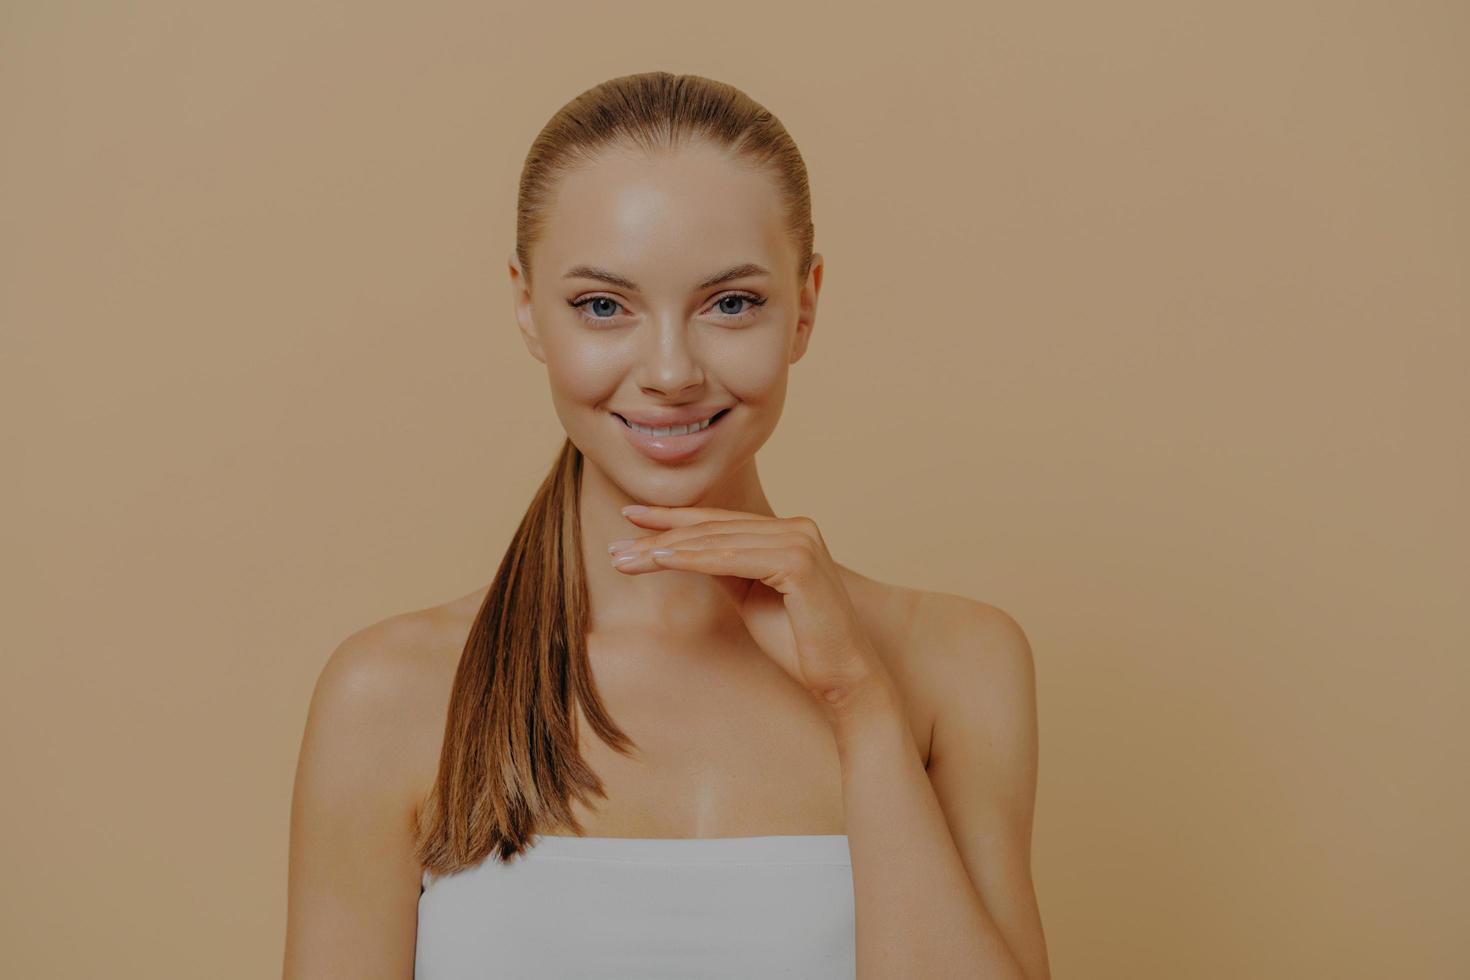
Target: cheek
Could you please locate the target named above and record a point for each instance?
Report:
(581, 372)
(753, 370)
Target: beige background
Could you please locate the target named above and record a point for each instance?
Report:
(1146, 322)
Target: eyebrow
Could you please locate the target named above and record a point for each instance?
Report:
(734, 272)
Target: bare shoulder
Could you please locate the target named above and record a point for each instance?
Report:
(354, 879)
(398, 673)
(974, 651)
(380, 700)
(980, 677)
(392, 666)
(984, 755)
(933, 633)
(960, 631)
(938, 645)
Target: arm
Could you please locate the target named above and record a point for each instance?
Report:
(352, 903)
(941, 858)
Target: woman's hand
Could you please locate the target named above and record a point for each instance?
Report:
(785, 585)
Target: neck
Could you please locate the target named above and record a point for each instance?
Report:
(677, 603)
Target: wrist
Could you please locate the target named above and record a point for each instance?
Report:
(874, 701)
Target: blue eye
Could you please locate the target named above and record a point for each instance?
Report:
(754, 301)
(589, 301)
(601, 304)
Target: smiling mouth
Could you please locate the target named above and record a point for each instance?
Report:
(674, 430)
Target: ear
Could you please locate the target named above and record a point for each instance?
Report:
(806, 316)
(521, 290)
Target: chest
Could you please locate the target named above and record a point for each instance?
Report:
(726, 744)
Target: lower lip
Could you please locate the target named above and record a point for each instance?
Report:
(670, 449)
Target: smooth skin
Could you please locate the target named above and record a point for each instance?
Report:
(730, 743)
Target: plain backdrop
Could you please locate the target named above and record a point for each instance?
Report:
(1144, 321)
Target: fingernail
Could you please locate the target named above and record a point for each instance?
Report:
(662, 552)
(624, 559)
(634, 509)
(618, 545)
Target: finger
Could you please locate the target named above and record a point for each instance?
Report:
(638, 556)
(680, 536)
(776, 567)
(672, 517)
(654, 516)
(694, 538)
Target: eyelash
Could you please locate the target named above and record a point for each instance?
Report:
(579, 304)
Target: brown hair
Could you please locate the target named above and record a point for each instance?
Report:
(509, 765)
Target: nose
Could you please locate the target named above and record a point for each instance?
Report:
(666, 359)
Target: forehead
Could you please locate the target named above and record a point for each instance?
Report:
(666, 220)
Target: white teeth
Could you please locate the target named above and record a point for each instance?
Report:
(670, 430)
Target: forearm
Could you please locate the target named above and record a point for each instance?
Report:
(917, 912)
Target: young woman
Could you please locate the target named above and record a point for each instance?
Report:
(677, 739)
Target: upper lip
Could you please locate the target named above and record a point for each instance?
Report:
(685, 416)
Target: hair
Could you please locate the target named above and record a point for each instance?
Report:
(509, 765)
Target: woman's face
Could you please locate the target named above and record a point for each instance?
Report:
(632, 327)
